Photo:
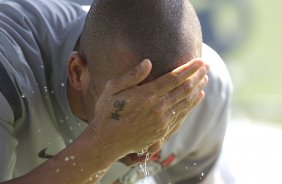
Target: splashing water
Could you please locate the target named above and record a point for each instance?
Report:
(142, 152)
(72, 157)
(67, 159)
(144, 168)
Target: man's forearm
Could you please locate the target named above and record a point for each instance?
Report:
(77, 164)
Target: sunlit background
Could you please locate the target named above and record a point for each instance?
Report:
(246, 33)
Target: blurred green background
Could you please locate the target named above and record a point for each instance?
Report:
(247, 34)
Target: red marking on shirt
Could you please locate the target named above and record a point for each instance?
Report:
(165, 163)
(168, 161)
(156, 157)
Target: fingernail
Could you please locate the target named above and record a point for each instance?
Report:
(145, 62)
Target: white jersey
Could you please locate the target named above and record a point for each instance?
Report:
(36, 122)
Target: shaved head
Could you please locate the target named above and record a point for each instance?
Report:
(118, 32)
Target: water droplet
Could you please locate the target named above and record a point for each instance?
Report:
(67, 159)
(173, 112)
(90, 179)
(23, 95)
(66, 118)
(42, 67)
(144, 168)
(62, 84)
(72, 157)
(38, 130)
(186, 168)
(142, 152)
(79, 124)
(61, 120)
(203, 174)
(74, 164)
(195, 163)
(52, 91)
(71, 128)
(45, 89)
(32, 91)
(81, 170)
(70, 141)
(57, 170)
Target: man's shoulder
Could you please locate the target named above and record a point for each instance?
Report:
(30, 13)
(219, 75)
(212, 57)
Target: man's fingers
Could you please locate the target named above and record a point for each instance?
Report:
(173, 79)
(175, 125)
(180, 116)
(131, 78)
(188, 91)
(187, 105)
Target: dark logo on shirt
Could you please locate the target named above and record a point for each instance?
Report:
(44, 155)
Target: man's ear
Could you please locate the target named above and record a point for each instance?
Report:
(77, 71)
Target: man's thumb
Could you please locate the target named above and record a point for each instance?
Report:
(131, 78)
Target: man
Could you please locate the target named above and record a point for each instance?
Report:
(127, 112)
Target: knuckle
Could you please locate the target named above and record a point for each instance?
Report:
(176, 79)
(158, 111)
(110, 84)
(173, 99)
(149, 98)
(188, 86)
(151, 92)
(187, 101)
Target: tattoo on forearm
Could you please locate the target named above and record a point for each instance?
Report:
(119, 106)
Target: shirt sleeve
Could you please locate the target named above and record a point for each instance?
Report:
(8, 141)
(11, 107)
(198, 143)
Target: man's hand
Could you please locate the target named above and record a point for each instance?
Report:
(132, 117)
